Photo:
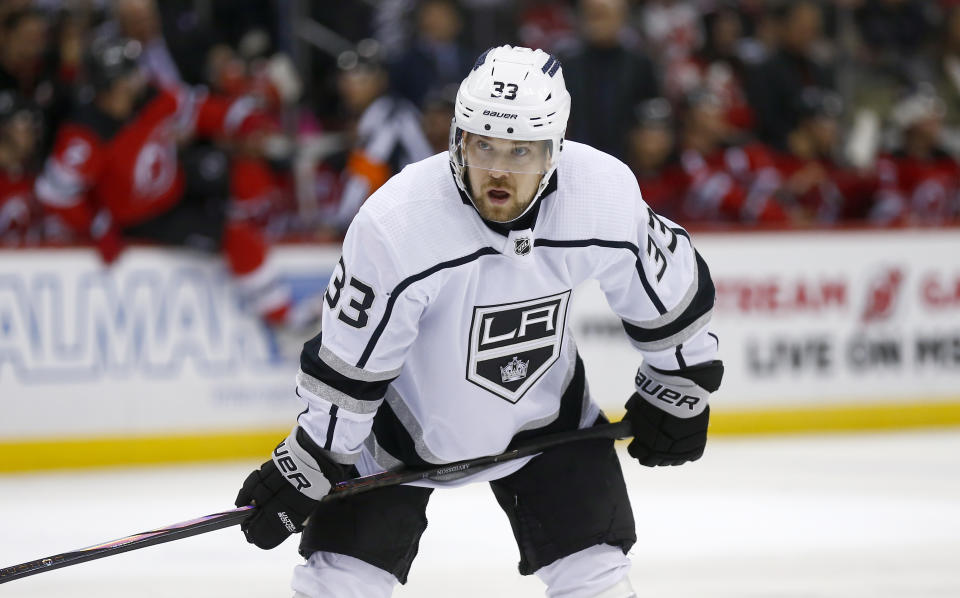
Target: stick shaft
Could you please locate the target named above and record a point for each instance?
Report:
(169, 533)
(619, 429)
(343, 489)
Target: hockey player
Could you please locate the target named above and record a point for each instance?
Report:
(116, 172)
(445, 337)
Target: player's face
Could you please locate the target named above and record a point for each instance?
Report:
(504, 174)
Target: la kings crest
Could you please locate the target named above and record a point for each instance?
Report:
(513, 344)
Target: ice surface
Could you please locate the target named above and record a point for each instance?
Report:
(854, 516)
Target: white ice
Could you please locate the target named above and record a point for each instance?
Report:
(870, 515)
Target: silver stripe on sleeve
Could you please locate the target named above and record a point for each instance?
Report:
(675, 339)
(331, 394)
(678, 310)
(345, 369)
(343, 458)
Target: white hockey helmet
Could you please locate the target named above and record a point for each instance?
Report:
(511, 93)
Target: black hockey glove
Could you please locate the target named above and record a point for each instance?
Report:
(286, 489)
(669, 413)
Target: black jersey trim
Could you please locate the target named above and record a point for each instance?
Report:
(700, 305)
(331, 427)
(394, 438)
(406, 282)
(313, 365)
(681, 362)
(654, 299)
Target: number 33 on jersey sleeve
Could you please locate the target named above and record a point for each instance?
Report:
(341, 380)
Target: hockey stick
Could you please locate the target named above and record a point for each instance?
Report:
(349, 487)
(346, 488)
(142, 540)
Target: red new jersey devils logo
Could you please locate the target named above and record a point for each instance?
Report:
(882, 295)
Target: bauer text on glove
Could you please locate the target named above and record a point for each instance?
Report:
(669, 413)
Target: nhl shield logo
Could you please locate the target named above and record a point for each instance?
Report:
(512, 345)
(521, 245)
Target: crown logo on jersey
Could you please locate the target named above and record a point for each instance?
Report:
(521, 246)
(512, 345)
(515, 370)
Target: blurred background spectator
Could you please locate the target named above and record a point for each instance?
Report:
(722, 181)
(730, 112)
(652, 144)
(606, 78)
(140, 20)
(817, 186)
(126, 165)
(720, 66)
(20, 124)
(800, 63)
(384, 131)
(919, 180)
(435, 57)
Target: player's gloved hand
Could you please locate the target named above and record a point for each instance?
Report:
(286, 489)
(669, 413)
(107, 237)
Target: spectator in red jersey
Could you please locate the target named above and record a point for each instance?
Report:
(260, 183)
(115, 173)
(19, 130)
(723, 182)
(260, 195)
(919, 181)
(817, 187)
(272, 80)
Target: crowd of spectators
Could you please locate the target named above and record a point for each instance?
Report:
(731, 113)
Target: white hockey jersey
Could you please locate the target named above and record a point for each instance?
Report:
(443, 339)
